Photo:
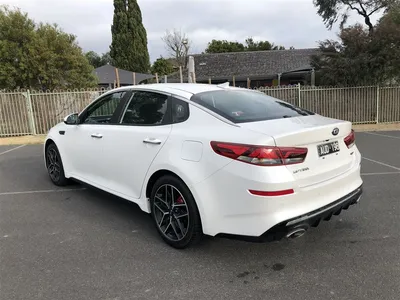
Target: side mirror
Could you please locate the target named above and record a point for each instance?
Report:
(71, 119)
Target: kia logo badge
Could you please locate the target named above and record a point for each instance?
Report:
(335, 131)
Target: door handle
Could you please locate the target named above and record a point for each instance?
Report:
(96, 135)
(152, 141)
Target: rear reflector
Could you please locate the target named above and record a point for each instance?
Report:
(350, 139)
(271, 193)
(261, 155)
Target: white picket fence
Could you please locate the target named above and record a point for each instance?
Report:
(31, 113)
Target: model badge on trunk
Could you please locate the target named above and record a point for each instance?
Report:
(300, 170)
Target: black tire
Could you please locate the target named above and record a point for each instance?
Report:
(182, 232)
(55, 166)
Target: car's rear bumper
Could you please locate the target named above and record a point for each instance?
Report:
(227, 207)
(304, 222)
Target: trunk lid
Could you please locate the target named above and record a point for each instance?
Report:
(311, 132)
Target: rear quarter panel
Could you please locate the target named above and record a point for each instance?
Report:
(195, 135)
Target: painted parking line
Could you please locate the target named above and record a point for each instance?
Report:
(12, 149)
(384, 135)
(381, 163)
(41, 191)
(379, 173)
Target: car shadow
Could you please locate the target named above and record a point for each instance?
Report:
(126, 216)
(238, 262)
(100, 207)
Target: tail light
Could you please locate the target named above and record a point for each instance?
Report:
(350, 139)
(261, 155)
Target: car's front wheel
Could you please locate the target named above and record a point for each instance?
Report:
(175, 212)
(55, 166)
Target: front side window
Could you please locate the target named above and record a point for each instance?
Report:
(146, 108)
(240, 106)
(103, 110)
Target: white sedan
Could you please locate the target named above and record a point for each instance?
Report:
(210, 159)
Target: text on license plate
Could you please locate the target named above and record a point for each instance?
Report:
(328, 148)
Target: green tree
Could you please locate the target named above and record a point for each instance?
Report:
(39, 56)
(106, 59)
(17, 34)
(345, 62)
(129, 38)
(162, 67)
(224, 46)
(252, 45)
(361, 57)
(96, 60)
(385, 46)
(333, 11)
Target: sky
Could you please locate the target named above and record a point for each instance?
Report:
(284, 22)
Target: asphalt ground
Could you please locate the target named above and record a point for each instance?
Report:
(79, 243)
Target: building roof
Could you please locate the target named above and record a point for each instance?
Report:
(106, 75)
(252, 64)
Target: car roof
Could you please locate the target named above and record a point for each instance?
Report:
(183, 89)
(186, 90)
(192, 88)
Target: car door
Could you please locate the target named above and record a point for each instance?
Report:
(85, 141)
(133, 144)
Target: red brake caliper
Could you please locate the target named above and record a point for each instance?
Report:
(179, 200)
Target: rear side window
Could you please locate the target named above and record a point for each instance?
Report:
(240, 106)
(180, 111)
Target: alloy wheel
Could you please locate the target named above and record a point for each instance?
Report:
(171, 212)
(53, 164)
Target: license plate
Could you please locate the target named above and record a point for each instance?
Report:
(328, 148)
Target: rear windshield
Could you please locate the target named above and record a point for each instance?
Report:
(240, 106)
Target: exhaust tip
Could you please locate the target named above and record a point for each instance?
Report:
(296, 233)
